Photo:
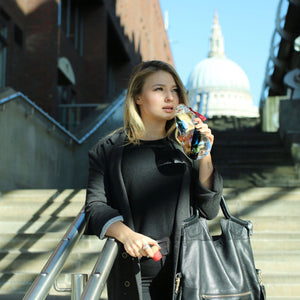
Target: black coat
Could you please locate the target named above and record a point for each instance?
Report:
(107, 198)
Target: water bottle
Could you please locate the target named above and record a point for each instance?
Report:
(195, 144)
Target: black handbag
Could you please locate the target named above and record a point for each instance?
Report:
(217, 267)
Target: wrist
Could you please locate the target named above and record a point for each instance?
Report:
(119, 231)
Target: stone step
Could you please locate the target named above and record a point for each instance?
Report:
(262, 193)
(247, 168)
(288, 290)
(281, 278)
(273, 242)
(262, 164)
(78, 262)
(248, 159)
(37, 209)
(257, 181)
(20, 282)
(278, 262)
(248, 209)
(249, 138)
(24, 242)
(251, 152)
(44, 195)
(29, 224)
(284, 298)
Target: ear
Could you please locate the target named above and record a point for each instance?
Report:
(138, 100)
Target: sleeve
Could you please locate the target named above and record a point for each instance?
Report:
(98, 210)
(107, 224)
(205, 200)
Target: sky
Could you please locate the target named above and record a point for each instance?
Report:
(247, 28)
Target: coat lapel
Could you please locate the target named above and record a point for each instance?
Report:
(118, 186)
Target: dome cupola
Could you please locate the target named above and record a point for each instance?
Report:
(217, 85)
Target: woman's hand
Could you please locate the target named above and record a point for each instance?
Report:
(205, 163)
(138, 245)
(135, 244)
(204, 129)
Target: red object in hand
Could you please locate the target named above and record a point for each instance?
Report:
(198, 115)
(157, 255)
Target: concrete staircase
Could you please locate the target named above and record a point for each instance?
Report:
(33, 222)
(253, 158)
(260, 185)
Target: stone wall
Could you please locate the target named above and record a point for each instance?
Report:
(37, 153)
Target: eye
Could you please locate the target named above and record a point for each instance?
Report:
(159, 88)
(176, 90)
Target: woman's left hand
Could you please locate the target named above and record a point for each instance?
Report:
(204, 129)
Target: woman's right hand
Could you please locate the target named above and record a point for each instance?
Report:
(138, 245)
(135, 244)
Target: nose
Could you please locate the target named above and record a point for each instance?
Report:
(169, 96)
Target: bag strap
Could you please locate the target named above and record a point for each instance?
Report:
(228, 215)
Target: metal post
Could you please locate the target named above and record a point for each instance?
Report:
(98, 278)
(78, 283)
(43, 282)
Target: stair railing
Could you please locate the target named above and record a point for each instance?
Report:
(106, 114)
(42, 284)
(93, 289)
(101, 270)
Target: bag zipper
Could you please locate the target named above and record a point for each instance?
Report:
(224, 296)
(177, 282)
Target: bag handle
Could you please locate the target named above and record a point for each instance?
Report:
(228, 215)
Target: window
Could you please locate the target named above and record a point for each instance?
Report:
(3, 50)
(70, 19)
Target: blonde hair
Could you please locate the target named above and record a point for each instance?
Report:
(133, 124)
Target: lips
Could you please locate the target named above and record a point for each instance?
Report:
(168, 108)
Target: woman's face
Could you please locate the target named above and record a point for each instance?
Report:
(158, 98)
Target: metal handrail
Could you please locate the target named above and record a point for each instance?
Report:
(106, 114)
(101, 270)
(42, 284)
(93, 289)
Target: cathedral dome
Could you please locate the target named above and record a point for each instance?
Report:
(218, 86)
(218, 73)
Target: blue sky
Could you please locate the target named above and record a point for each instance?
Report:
(247, 28)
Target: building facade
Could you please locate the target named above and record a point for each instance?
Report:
(64, 53)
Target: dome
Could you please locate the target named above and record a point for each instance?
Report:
(218, 73)
(218, 86)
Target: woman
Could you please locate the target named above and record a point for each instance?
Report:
(141, 185)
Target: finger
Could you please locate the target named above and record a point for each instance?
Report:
(153, 243)
(203, 129)
(197, 121)
(145, 250)
(201, 125)
(148, 248)
(133, 251)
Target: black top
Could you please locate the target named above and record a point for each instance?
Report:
(152, 173)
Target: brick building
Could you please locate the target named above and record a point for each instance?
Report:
(79, 52)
